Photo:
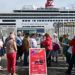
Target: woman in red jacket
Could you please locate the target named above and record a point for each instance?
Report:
(48, 46)
(72, 61)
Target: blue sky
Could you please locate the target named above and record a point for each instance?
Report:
(9, 5)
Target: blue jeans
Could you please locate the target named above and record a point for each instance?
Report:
(25, 58)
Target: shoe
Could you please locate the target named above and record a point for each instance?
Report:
(48, 64)
(1, 68)
(18, 60)
(68, 73)
(56, 61)
(52, 60)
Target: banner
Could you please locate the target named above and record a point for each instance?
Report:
(37, 61)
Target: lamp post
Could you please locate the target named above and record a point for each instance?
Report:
(57, 26)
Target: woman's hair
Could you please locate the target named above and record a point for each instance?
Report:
(64, 35)
(12, 36)
(47, 35)
(26, 35)
(32, 35)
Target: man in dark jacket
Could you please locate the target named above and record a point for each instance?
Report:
(72, 61)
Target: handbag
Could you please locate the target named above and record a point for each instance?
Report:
(70, 49)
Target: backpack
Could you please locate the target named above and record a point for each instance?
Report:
(55, 46)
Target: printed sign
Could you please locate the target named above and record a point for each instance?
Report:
(37, 61)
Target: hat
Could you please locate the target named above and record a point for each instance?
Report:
(55, 34)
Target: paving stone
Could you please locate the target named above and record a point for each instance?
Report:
(55, 69)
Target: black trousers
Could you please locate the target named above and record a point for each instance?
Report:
(68, 57)
(48, 57)
(71, 63)
(19, 51)
(26, 54)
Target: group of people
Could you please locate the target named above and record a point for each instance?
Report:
(10, 47)
(16, 46)
(52, 47)
(68, 45)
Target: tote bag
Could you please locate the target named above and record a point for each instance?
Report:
(70, 49)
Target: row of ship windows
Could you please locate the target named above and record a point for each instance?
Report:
(8, 24)
(33, 26)
(45, 20)
(8, 20)
(47, 17)
(36, 20)
(40, 14)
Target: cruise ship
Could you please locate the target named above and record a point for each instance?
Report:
(40, 20)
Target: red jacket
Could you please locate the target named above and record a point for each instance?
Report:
(72, 43)
(48, 43)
